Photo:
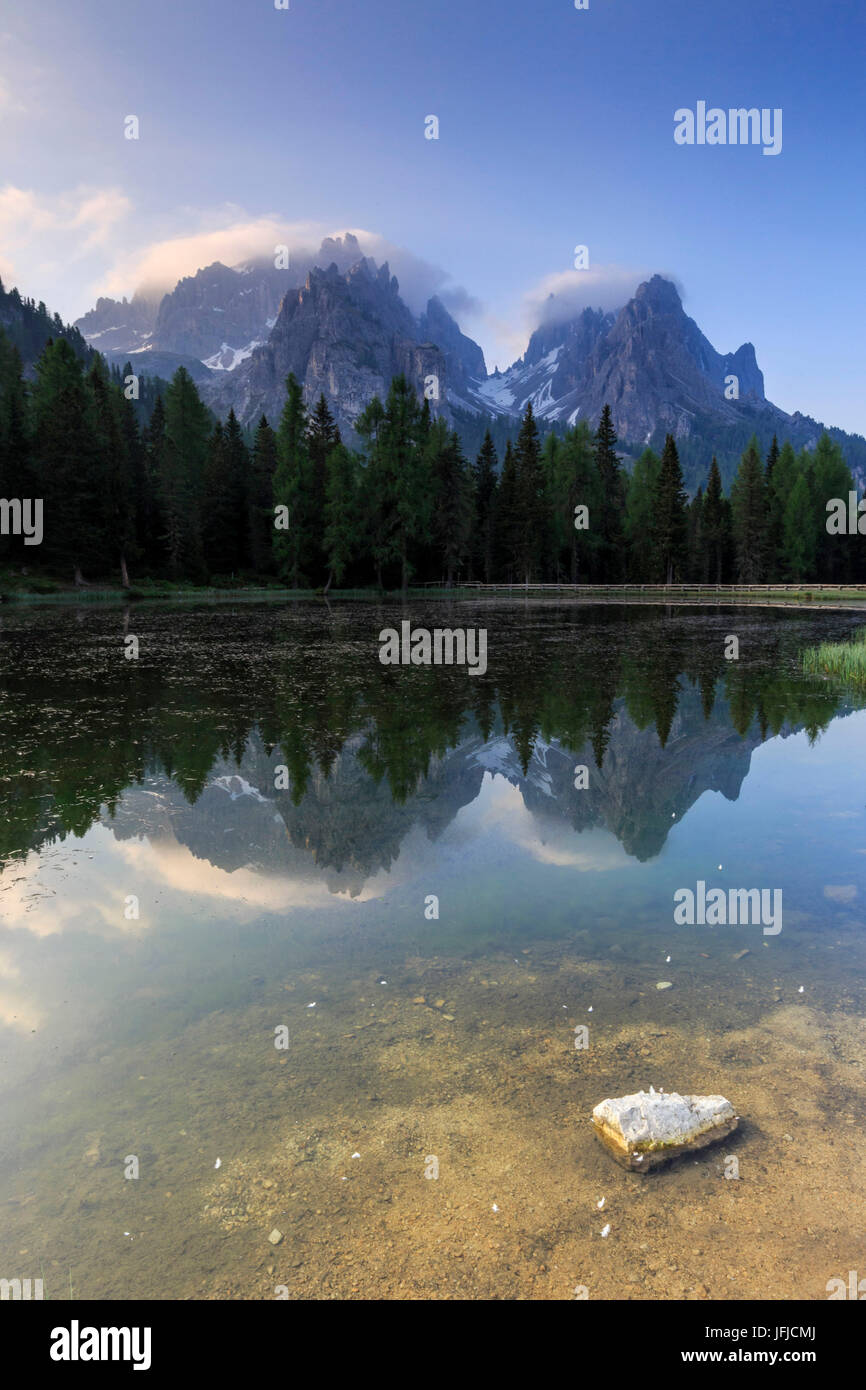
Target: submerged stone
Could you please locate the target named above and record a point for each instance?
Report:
(650, 1128)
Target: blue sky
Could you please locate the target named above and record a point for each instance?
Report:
(556, 129)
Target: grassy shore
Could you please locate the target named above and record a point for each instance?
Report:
(15, 587)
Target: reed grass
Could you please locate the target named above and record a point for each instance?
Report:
(844, 660)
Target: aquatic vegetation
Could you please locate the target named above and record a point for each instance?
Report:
(845, 660)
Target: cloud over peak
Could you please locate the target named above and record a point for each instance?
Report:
(566, 293)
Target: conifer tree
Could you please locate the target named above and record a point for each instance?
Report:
(398, 477)
(220, 511)
(187, 435)
(374, 488)
(772, 459)
(696, 566)
(799, 531)
(260, 492)
(639, 514)
(113, 520)
(612, 499)
(578, 464)
(530, 499)
(291, 520)
(715, 527)
(669, 516)
(15, 466)
(342, 541)
(507, 519)
(453, 500)
(557, 538)
(138, 529)
(485, 507)
(238, 473)
(66, 464)
(749, 509)
(830, 478)
(154, 528)
(322, 437)
(780, 485)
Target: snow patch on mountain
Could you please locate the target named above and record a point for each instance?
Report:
(230, 357)
(510, 392)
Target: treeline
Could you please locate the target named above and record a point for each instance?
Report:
(29, 325)
(189, 498)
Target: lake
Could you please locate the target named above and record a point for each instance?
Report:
(296, 949)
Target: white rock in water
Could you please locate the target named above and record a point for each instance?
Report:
(647, 1129)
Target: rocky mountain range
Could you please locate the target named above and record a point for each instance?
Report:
(650, 362)
(338, 321)
(342, 334)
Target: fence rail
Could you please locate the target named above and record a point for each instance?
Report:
(655, 588)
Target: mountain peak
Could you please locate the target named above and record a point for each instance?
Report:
(345, 334)
(660, 294)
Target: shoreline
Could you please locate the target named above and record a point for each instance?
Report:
(698, 596)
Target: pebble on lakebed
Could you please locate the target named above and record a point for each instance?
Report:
(643, 1131)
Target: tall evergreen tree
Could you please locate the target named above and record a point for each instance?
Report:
(772, 459)
(114, 518)
(830, 478)
(612, 497)
(453, 499)
(696, 566)
(292, 530)
(780, 485)
(530, 499)
(135, 541)
(260, 493)
(187, 435)
(507, 519)
(16, 478)
(749, 508)
(237, 475)
(669, 516)
(154, 528)
(221, 515)
(798, 531)
(398, 477)
(342, 540)
(485, 507)
(66, 464)
(322, 437)
(639, 514)
(716, 527)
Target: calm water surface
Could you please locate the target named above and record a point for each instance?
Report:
(234, 840)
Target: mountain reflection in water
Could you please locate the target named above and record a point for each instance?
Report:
(219, 701)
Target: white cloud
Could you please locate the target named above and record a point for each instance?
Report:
(558, 297)
(566, 293)
(98, 216)
(158, 266)
(42, 235)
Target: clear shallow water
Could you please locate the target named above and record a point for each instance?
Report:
(448, 1039)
